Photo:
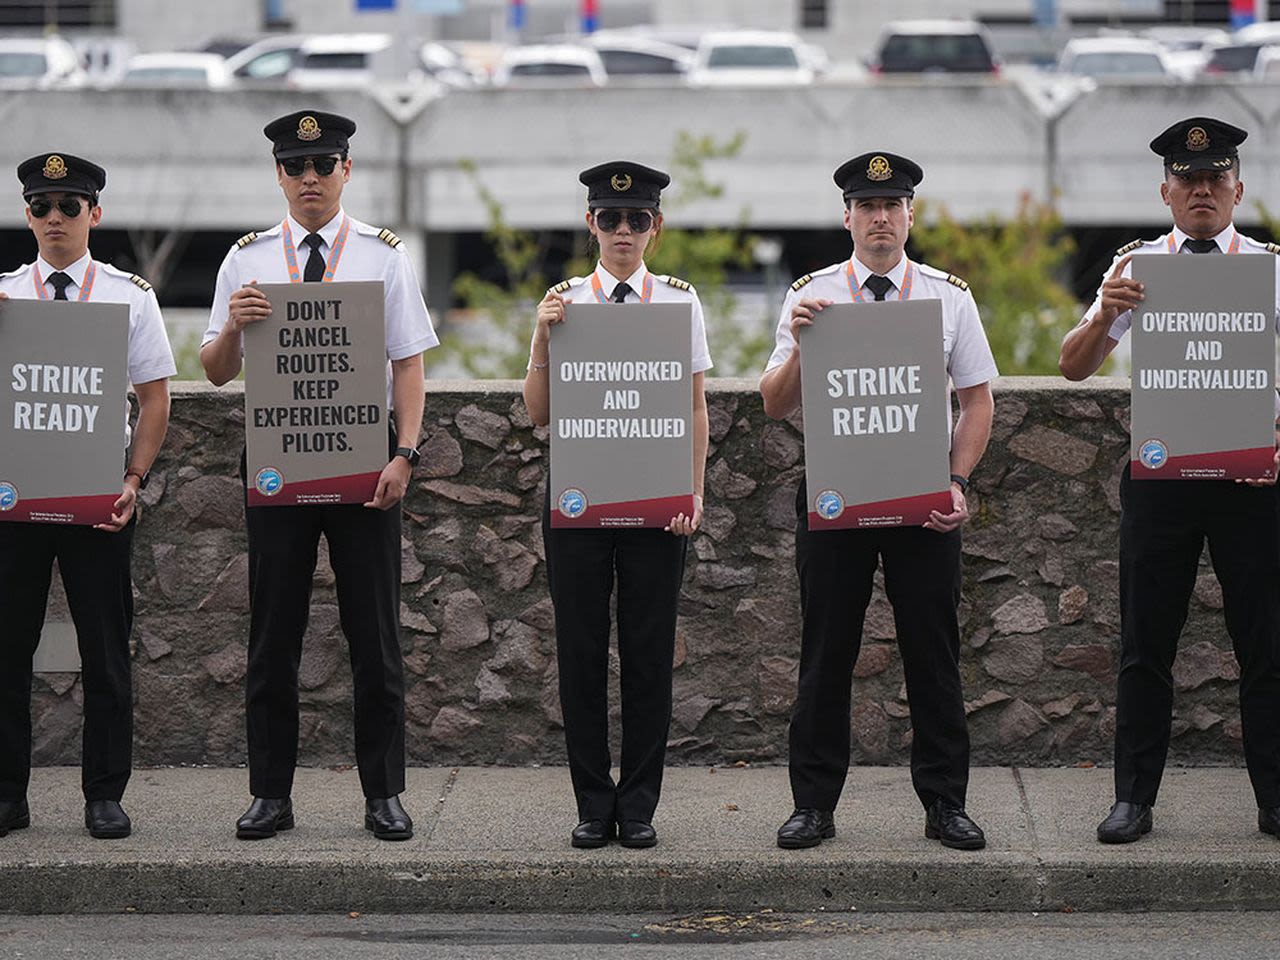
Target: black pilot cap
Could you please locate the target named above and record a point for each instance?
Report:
(54, 172)
(878, 175)
(1199, 143)
(621, 183)
(309, 133)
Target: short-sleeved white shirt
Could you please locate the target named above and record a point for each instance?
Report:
(366, 256)
(1175, 242)
(665, 290)
(150, 356)
(964, 341)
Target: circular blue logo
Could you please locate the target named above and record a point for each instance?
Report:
(8, 495)
(829, 504)
(573, 503)
(269, 481)
(1153, 454)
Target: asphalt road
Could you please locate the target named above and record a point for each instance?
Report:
(1185, 936)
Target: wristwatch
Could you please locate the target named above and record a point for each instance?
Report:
(144, 476)
(409, 453)
(961, 482)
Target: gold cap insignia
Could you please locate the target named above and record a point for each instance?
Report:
(55, 168)
(620, 182)
(1197, 139)
(878, 169)
(308, 129)
(1179, 167)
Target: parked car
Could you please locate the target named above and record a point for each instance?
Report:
(546, 64)
(342, 61)
(1115, 58)
(1267, 66)
(38, 64)
(1232, 58)
(206, 71)
(443, 63)
(751, 58)
(267, 62)
(1186, 49)
(627, 55)
(934, 46)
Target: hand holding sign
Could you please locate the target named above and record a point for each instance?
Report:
(1119, 294)
(802, 315)
(248, 305)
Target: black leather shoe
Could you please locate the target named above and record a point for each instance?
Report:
(387, 819)
(806, 827)
(591, 833)
(1125, 823)
(951, 826)
(637, 833)
(265, 816)
(1269, 820)
(106, 820)
(14, 815)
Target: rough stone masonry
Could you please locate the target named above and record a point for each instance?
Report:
(1040, 618)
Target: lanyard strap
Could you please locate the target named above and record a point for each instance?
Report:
(86, 288)
(855, 288)
(1234, 247)
(291, 251)
(645, 296)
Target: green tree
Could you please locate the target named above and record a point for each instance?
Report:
(505, 309)
(1013, 268)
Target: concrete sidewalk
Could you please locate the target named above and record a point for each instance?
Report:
(496, 839)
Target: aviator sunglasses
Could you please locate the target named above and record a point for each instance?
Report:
(638, 220)
(323, 166)
(41, 207)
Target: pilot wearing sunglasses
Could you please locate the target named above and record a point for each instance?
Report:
(317, 241)
(624, 218)
(61, 192)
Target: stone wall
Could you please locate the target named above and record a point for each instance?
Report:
(1040, 617)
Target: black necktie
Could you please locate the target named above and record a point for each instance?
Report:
(879, 285)
(1200, 246)
(315, 262)
(620, 292)
(60, 283)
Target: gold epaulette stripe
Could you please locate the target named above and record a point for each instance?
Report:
(676, 282)
(802, 281)
(390, 239)
(1130, 246)
(247, 239)
(953, 279)
(140, 282)
(1273, 248)
(561, 287)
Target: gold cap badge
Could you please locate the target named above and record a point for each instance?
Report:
(55, 168)
(308, 129)
(1197, 139)
(620, 182)
(878, 169)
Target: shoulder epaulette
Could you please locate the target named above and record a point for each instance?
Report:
(390, 239)
(134, 278)
(802, 281)
(1273, 248)
(247, 239)
(1129, 247)
(675, 282)
(562, 286)
(956, 281)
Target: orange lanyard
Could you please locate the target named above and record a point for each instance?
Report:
(645, 296)
(855, 289)
(86, 288)
(1233, 248)
(291, 251)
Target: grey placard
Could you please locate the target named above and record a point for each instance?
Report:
(62, 429)
(621, 411)
(316, 394)
(876, 413)
(1203, 367)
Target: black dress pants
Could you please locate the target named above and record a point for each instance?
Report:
(581, 568)
(96, 574)
(364, 550)
(922, 580)
(1163, 528)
